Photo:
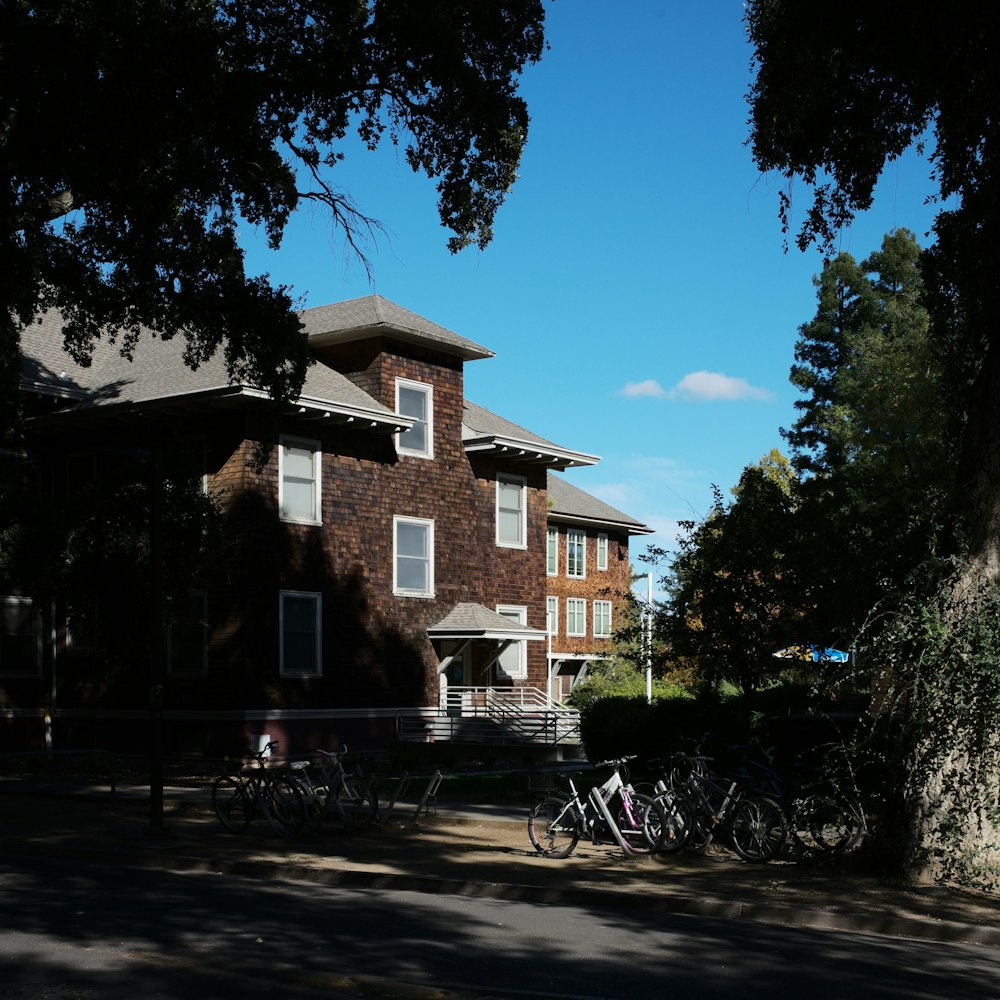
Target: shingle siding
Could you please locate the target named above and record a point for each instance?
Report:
(375, 649)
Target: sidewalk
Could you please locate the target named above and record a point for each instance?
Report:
(477, 850)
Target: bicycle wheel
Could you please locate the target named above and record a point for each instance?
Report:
(356, 801)
(313, 803)
(677, 822)
(758, 828)
(640, 831)
(553, 827)
(232, 803)
(284, 806)
(828, 822)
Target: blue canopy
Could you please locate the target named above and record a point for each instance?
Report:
(815, 654)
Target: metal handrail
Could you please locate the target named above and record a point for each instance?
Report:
(503, 725)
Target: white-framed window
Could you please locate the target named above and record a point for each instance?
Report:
(512, 511)
(576, 554)
(300, 622)
(576, 616)
(300, 462)
(514, 659)
(552, 552)
(552, 615)
(187, 637)
(413, 557)
(602, 551)
(416, 400)
(20, 638)
(602, 619)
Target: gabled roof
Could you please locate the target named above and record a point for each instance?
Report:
(571, 505)
(473, 621)
(374, 316)
(484, 431)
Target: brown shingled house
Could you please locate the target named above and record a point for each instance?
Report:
(395, 556)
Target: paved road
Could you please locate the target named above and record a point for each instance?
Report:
(86, 931)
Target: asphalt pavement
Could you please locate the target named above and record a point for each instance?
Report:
(454, 847)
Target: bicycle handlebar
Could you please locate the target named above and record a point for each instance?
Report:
(616, 763)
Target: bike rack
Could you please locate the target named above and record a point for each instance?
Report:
(597, 801)
(429, 796)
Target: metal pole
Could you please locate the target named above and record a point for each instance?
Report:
(157, 646)
(548, 659)
(649, 638)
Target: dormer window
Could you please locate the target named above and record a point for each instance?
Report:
(415, 400)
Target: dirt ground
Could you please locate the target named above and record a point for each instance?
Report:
(470, 849)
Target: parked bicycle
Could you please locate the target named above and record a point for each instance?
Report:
(326, 784)
(260, 785)
(825, 813)
(614, 808)
(696, 806)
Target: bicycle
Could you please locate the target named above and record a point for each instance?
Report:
(325, 780)
(823, 816)
(260, 786)
(556, 824)
(695, 806)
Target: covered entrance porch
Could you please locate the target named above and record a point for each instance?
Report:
(484, 693)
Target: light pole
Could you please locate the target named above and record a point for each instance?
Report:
(648, 637)
(157, 645)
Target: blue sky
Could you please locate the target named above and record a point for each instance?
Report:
(637, 293)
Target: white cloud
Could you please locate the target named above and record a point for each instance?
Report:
(650, 387)
(709, 386)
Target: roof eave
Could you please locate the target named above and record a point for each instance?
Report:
(631, 528)
(528, 451)
(314, 408)
(467, 352)
(498, 635)
(55, 391)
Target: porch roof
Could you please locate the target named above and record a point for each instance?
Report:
(473, 621)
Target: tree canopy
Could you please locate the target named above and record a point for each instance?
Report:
(839, 92)
(136, 137)
(732, 597)
(875, 439)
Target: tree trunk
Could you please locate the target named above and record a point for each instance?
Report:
(978, 482)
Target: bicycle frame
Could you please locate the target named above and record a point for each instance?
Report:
(710, 814)
(324, 781)
(257, 787)
(597, 801)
